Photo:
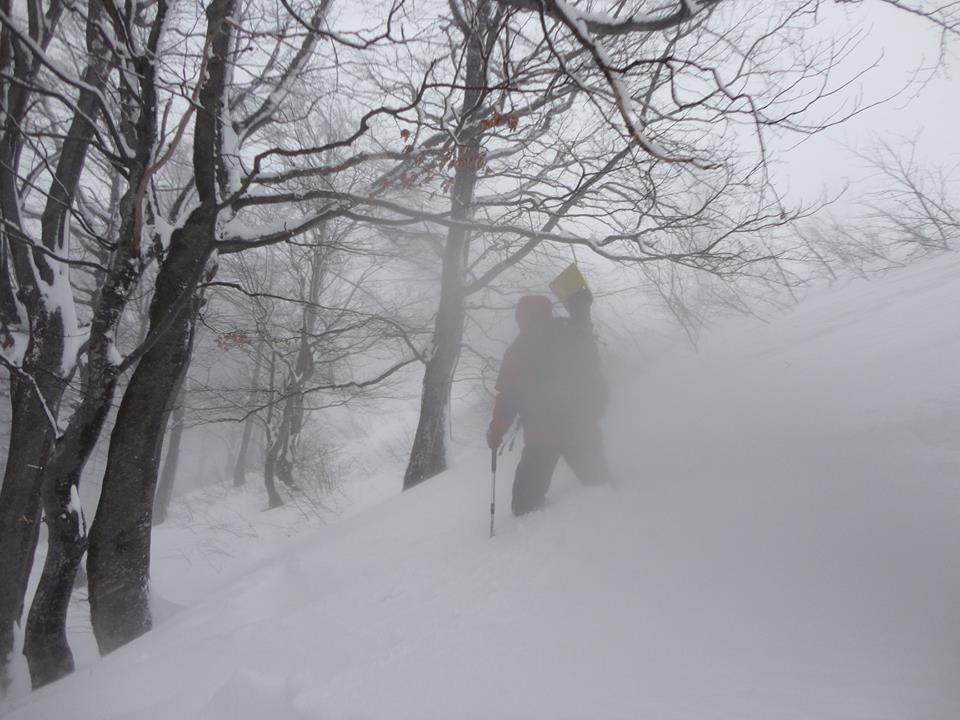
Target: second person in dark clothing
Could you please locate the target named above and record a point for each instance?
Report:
(551, 379)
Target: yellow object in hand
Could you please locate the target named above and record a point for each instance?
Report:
(569, 283)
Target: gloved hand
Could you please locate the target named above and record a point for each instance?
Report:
(494, 438)
(578, 305)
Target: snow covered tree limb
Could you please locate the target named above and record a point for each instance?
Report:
(40, 59)
(604, 24)
(578, 27)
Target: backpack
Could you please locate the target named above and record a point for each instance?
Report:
(561, 373)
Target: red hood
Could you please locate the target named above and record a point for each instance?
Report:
(533, 309)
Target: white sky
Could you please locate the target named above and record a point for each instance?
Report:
(929, 113)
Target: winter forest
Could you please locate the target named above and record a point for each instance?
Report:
(301, 417)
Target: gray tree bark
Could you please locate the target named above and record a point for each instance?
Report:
(118, 562)
(45, 644)
(161, 503)
(36, 390)
(428, 455)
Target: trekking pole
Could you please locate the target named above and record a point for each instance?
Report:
(493, 486)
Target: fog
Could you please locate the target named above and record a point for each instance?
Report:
(268, 395)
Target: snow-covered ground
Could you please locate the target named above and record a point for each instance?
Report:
(781, 546)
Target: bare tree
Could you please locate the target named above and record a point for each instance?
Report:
(915, 209)
(645, 142)
(135, 152)
(217, 224)
(639, 136)
(39, 321)
(319, 322)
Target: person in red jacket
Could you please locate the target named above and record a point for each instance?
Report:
(551, 379)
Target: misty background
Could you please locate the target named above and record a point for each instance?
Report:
(314, 221)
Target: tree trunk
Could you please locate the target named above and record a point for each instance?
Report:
(279, 465)
(118, 562)
(31, 433)
(281, 458)
(240, 469)
(45, 640)
(270, 443)
(45, 645)
(161, 503)
(428, 455)
(269, 474)
(32, 437)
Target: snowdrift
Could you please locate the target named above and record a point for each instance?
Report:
(781, 545)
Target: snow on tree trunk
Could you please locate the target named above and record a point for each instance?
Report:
(32, 436)
(49, 359)
(45, 642)
(45, 645)
(118, 561)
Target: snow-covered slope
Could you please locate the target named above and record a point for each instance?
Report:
(782, 545)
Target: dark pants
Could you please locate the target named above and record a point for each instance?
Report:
(536, 466)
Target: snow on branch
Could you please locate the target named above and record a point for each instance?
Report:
(580, 26)
(40, 55)
(600, 23)
(14, 368)
(237, 236)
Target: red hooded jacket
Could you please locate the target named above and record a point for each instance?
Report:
(551, 378)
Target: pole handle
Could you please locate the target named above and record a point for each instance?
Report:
(493, 487)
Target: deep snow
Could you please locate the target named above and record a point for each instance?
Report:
(781, 546)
